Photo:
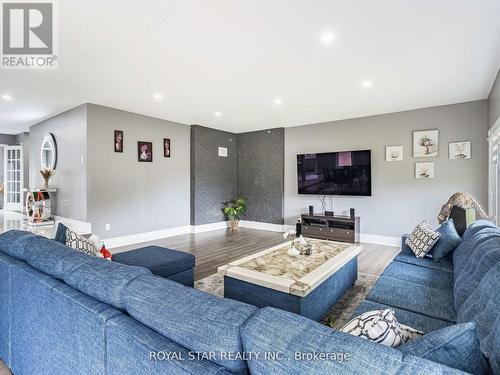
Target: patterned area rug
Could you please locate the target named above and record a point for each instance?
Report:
(336, 318)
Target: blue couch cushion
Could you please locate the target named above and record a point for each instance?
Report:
(298, 339)
(420, 275)
(482, 258)
(61, 233)
(407, 256)
(196, 320)
(476, 227)
(456, 346)
(463, 254)
(483, 307)
(447, 242)
(424, 300)
(159, 260)
(133, 349)
(9, 244)
(417, 321)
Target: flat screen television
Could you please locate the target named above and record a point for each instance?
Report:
(335, 173)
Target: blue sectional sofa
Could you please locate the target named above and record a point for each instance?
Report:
(65, 312)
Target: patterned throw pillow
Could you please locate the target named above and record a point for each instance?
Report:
(422, 239)
(80, 243)
(382, 327)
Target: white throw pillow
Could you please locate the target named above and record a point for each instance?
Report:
(80, 243)
(382, 327)
(422, 239)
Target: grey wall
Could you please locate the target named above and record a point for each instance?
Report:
(213, 178)
(135, 197)
(494, 102)
(7, 139)
(69, 129)
(260, 174)
(399, 201)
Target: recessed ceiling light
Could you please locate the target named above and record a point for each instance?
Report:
(6, 97)
(366, 84)
(327, 37)
(157, 96)
(218, 114)
(278, 101)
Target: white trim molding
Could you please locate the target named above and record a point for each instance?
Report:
(265, 226)
(380, 240)
(145, 237)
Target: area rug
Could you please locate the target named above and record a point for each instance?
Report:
(338, 315)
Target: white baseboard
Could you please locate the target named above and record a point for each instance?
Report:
(145, 237)
(380, 240)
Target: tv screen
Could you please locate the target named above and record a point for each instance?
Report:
(335, 173)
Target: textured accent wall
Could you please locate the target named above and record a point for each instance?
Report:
(261, 174)
(213, 177)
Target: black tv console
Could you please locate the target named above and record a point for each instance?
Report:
(333, 228)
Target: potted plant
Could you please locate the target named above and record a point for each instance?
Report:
(46, 173)
(233, 210)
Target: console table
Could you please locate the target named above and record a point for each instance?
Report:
(39, 206)
(333, 228)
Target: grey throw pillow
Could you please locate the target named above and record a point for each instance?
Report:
(422, 239)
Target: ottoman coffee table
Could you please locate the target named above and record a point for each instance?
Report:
(307, 285)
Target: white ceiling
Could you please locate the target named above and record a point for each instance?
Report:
(238, 56)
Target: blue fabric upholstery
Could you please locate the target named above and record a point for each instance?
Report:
(411, 319)
(55, 328)
(456, 346)
(6, 262)
(133, 348)
(482, 258)
(272, 330)
(196, 320)
(428, 301)
(94, 276)
(184, 277)
(9, 243)
(420, 275)
(61, 233)
(483, 307)
(407, 256)
(463, 253)
(159, 260)
(447, 242)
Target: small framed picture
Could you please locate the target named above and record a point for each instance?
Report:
(167, 151)
(425, 143)
(394, 153)
(118, 140)
(145, 151)
(424, 170)
(459, 150)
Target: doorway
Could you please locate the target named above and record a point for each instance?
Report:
(13, 178)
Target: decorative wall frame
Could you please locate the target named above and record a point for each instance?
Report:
(425, 143)
(424, 170)
(118, 141)
(459, 150)
(394, 153)
(145, 151)
(167, 151)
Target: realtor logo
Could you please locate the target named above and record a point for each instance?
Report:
(28, 35)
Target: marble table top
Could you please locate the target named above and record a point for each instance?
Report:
(274, 268)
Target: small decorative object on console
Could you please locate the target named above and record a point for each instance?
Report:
(328, 213)
(47, 173)
(311, 210)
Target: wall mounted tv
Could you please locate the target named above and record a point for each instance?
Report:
(335, 173)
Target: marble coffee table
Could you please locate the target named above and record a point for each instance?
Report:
(306, 285)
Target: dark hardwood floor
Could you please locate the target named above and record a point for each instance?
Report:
(216, 248)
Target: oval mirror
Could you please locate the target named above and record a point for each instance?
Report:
(48, 152)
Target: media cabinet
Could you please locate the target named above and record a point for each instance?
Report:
(333, 228)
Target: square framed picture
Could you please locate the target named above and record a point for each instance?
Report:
(424, 170)
(145, 151)
(167, 151)
(394, 153)
(459, 150)
(118, 141)
(425, 143)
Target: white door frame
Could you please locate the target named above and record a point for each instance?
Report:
(8, 206)
(494, 170)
